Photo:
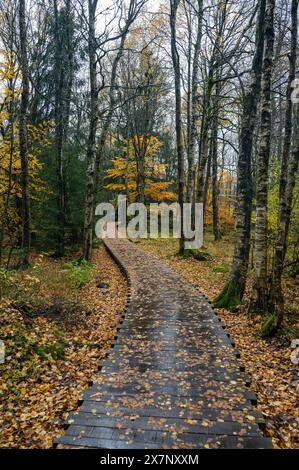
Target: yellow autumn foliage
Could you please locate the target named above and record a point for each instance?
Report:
(10, 163)
(226, 201)
(124, 171)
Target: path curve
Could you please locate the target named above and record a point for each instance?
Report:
(172, 378)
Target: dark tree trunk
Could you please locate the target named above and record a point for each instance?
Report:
(112, 93)
(204, 135)
(207, 179)
(178, 117)
(194, 104)
(5, 215)
(63, 37)
(59, 124)
(233, 291)
(214, 144)
(93, 153)
(69, 79)
(207, 103)
(91, 144)
(24, 261)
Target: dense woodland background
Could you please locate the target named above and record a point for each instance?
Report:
(187, 100)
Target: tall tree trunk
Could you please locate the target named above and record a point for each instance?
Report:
(188, 99)
(91, 144)
(24, 261)
(141, 178)
(94, 154)
(207, 179)
(214, 143)
(69, 74)
(276, 299)
(233, 291)
(112, 94)
(194, 103)
(178, 117)
(207, 102)
(259, 293)
(7, 197)
(59, 124)
(204, 134)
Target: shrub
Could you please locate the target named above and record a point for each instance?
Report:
(6, 281)
(56, 350)
(77, 273)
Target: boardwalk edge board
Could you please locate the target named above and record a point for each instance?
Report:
(124, 271)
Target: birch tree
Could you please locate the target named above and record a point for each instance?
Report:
(233, 291)
(259, 293)
(286, 186)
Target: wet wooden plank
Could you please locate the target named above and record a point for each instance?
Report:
(177, 424)
(105, 408)
(171, 378)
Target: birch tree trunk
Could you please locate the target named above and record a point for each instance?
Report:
(276, 299)
(178, 117)
(259, 293)
(24, 261)
(233, 291)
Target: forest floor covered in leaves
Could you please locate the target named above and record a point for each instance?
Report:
(274, 377)
(57, 320)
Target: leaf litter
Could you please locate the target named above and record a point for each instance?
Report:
(54, 345)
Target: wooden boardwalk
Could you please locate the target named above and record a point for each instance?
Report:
(172, 379)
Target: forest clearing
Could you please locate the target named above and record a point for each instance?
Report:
(149, 216)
